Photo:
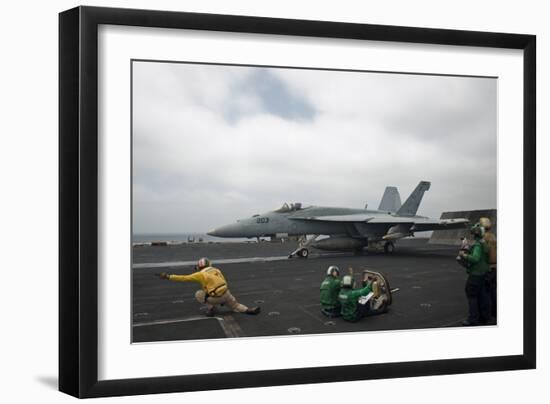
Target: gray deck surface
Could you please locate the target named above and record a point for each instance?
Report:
(430, 282)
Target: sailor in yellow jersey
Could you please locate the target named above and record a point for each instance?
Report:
(214, 290)
(491, 243)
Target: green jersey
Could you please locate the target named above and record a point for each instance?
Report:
(478, 259)
(329, 293)
(348, 299)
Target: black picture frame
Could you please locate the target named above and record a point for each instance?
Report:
(78, 200)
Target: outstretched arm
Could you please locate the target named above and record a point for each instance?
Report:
(361, 292)
(194, 277)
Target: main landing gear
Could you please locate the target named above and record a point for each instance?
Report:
(389, 247)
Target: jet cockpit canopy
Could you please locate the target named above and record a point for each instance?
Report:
(292, 207)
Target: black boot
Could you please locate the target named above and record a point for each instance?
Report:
(253, 310)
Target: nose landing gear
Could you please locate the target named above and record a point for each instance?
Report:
(303, 251)
(300, 252)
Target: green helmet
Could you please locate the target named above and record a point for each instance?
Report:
(347, 281)
(477, 231)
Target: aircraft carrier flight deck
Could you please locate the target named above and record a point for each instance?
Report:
(430, 295)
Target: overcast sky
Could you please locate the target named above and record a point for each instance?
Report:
(215, 143)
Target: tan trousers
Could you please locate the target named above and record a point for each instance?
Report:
(227, 298)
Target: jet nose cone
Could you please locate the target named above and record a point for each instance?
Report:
(229, 230)
(223, 231)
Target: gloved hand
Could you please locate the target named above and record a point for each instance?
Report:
(163, 275)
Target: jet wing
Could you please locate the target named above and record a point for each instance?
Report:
(355, 218)
(440, 224)
(423, 224)
(403, 227)
(415, 223)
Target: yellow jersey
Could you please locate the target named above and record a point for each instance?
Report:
(211, 280)
(491, 242)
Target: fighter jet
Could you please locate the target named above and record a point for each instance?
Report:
(342, 229)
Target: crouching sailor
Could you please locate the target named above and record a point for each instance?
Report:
(214, 290)
(358, 303)
(330, 288)
(349, 299)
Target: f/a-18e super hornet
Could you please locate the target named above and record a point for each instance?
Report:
(347, 229)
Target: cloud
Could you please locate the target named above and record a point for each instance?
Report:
(276, 97)
(215, 143)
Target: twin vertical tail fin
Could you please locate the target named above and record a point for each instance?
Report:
(410, 207)
(391, 201)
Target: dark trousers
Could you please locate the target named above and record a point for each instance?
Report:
(331, 311)
(479, 300)
(492, 279)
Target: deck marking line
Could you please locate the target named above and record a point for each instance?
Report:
(230, 327)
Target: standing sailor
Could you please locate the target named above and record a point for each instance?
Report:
(477, 293)
(491, 242)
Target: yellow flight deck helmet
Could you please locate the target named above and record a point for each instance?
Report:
(485, 222)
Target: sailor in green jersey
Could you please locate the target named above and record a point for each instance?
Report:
(477, 291)
(349, 299)
(330, 287)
